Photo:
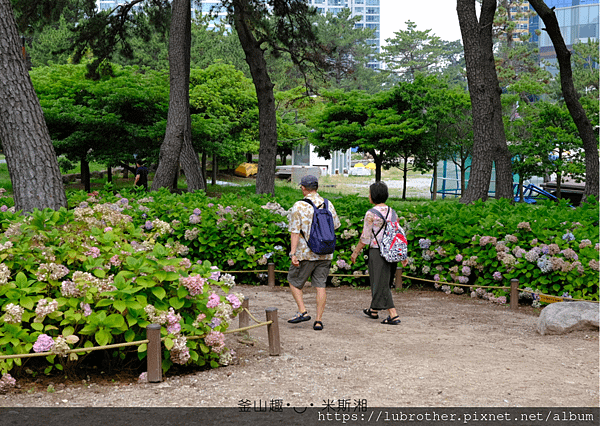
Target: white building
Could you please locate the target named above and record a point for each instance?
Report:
(305, 155)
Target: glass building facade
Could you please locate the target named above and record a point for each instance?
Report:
(578, 21)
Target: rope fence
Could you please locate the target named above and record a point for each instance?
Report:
(154, 341)
(514, 291)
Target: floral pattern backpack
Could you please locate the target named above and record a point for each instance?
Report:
(393, 247)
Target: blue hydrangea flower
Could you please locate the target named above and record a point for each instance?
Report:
(424, 243)
(544, 264)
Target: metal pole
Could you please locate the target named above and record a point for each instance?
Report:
(154, 355)
(273, 332)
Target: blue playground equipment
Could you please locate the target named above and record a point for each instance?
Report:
(448, 183)
(532, 193)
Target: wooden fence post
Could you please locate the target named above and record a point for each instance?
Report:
(244, 317)
(398, 278)
(154, 355)
(273, 332)
(271, 275)
(514, 293)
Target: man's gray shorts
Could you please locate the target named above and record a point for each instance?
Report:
(317, 269)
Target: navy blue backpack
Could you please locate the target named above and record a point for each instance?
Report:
(322, 230)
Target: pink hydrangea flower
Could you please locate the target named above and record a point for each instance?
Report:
(213, 301)
(87, 310)
(174, 328)
(235, 302)
(43, 343)
(93, 252)
(194, 284)
(215, 274)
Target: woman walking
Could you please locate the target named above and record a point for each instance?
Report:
(380, 271)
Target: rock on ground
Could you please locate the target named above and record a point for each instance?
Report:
(564, 317)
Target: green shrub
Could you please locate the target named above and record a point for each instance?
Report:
(100, 272)
(90, 276)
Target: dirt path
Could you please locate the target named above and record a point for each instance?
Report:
(449, 351)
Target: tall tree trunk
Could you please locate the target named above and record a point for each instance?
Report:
(85, 174)
(109, 174)
(175, 179)
(204, 162)
(489, 139)
(267, 119)
(584, 127)
(405, 177)
(215, 167)
(178, 118)
(30, 157)
(377, 159)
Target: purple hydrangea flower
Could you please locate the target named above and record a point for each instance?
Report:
(215, 322)
(43, 343)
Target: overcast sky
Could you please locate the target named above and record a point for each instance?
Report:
(436, 15)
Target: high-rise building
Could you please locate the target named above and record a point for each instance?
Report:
(520, 15)
(578, 21)
(108, 4)
(369, 12)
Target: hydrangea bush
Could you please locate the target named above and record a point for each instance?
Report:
(550, 248)
(481, 244)
(91, 276)
(101, 272)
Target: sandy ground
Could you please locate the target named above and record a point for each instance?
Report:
(449, 351)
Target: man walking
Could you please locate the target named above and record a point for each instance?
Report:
(305, 262)
(141, 176)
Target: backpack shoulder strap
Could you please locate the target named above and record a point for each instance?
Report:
(394, 217)
(378, 213)
(306, 200)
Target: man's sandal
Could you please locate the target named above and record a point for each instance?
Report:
(371, 313)
(391, 321)
(318, 325)
(299, 317)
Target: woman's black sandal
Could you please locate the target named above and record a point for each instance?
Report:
(371, 313)
(391, 321)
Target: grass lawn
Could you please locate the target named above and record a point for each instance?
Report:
(331, 185)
